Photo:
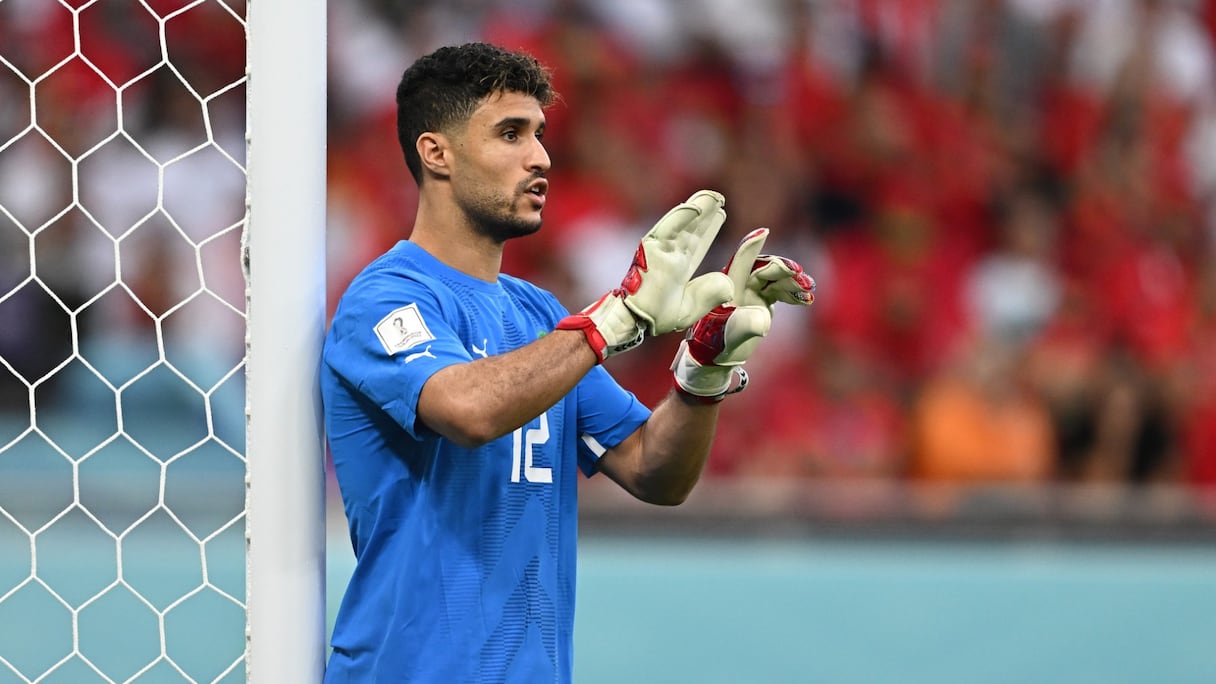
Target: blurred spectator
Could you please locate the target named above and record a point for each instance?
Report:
(1132, 441)
(1013, 290)
(831, 415)
(978, 420)
(1065, 366)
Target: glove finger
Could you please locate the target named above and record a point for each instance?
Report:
(781, 280)
(739, 269)
(749, 321)
(707, 201)
(702, 294)
(686, 216)
(701, 232)
(744, 329)
(682, 238)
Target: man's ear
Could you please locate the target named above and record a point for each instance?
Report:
(434, 150)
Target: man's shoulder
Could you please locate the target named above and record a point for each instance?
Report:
(393, 269)
(525, 289)
(384, 286)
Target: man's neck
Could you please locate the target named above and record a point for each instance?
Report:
(446, 233)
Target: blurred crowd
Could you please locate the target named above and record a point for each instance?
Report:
(1009, 206)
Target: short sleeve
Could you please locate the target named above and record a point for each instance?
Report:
(388, 337)
(607, 414)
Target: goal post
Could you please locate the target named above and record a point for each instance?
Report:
(284, 257)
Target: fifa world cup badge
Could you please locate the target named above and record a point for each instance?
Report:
(403, 329)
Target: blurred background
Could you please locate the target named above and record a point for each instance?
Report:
(1009, 207)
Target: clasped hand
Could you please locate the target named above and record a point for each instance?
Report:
(728, 311)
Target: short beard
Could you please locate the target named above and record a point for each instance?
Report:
(494, 217)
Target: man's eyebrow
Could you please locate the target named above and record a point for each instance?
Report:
(518, 122)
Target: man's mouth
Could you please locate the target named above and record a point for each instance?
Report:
(538, 188)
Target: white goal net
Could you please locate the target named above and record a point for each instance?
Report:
(126, 476)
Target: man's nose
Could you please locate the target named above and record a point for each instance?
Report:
(538, 160)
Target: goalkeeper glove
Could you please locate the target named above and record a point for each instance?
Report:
(659, 294)
(716, 347)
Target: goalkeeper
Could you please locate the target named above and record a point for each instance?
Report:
(461, 404)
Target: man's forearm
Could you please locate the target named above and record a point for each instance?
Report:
(473, 403)
(671, 450)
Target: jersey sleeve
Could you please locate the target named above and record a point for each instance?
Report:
(607, 414)
(388, 337)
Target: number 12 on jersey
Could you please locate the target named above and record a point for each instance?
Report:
(523, 440)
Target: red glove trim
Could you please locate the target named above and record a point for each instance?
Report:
(580, 322)
(707, 339)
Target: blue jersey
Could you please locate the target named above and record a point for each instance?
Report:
(465, 558)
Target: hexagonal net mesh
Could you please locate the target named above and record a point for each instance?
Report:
(122, 428)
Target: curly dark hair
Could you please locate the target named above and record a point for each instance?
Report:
(443, 88)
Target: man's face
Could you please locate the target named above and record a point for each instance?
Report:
(500, 164)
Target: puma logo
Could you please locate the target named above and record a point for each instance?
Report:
(485, 344)
(418, 355)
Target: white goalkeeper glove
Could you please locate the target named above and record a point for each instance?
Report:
(658, 294)
(713, 353)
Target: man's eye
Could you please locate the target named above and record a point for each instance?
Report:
(510, 135)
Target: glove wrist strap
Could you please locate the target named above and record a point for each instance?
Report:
(738, 383)
(706, 383)
(595, 338)
(587, 326)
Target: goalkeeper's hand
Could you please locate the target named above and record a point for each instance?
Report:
(659, 294)
(716, 347)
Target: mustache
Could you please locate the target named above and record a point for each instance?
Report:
(523, 185)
